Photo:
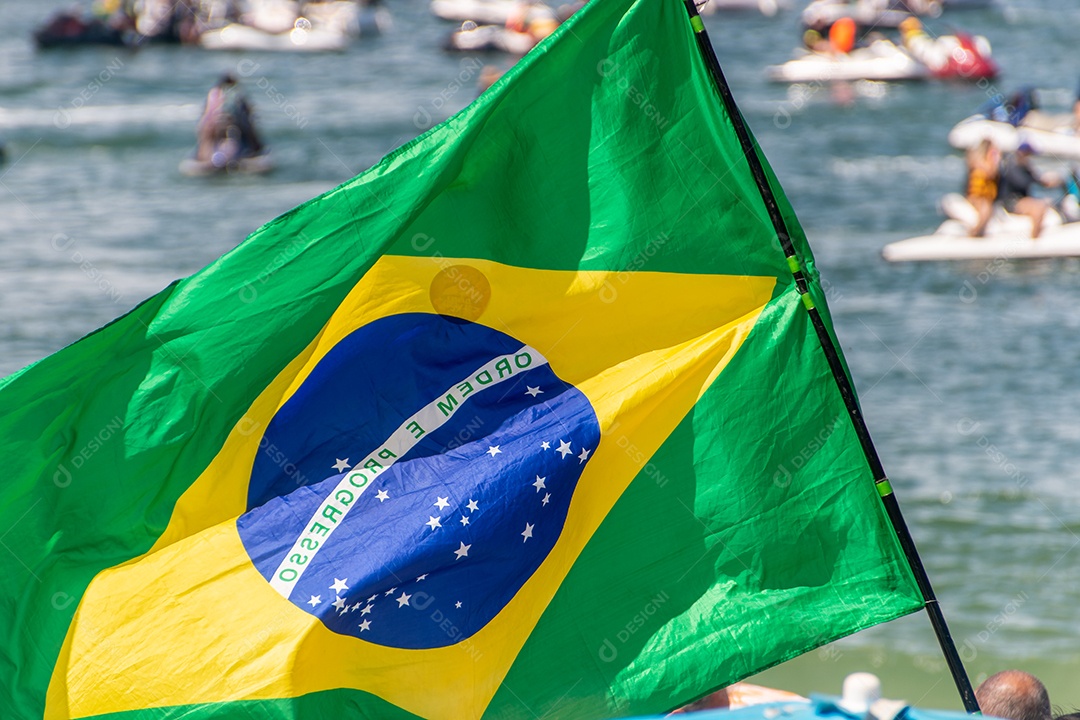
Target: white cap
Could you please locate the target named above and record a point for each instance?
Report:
(861, 690)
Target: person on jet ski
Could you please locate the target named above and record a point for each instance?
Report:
(983, 163)
(1015, 185)
(226, 130)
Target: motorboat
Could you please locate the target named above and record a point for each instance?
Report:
(882, 60)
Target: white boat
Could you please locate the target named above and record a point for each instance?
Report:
(765, 7)
(485, 38)
(347, 17)
(486, 12)
(882, 60)
(820, 14)
(271, 16)
(1007, 237)
(299, 39)
(1052, 136)
(256, 165)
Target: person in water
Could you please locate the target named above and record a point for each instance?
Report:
(226, 130)
(983, 162)
(1015, 185)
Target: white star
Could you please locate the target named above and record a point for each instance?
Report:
(355, 607)
(366, 610)
(539, 484)
(457, 604)
(339, 602)
(382, 495)
(493, 450)
(341, 465)
(545, 445)
(464, 520)
(583, 456)
(564, 449)
(315, 600)
(422, 577)
(462, 551)
(547, 498)
(441, 503)
(472, 506)
(391, 591)
(373, 597)
(366, 625)
(403, 600)
(339, 586)
(433, 522)
(534, 391)
(528, 532)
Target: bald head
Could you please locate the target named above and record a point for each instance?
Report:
(1014, 695)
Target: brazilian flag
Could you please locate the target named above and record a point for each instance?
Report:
(529, 420)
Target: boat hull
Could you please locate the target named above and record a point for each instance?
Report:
(1063, 242)
(1007, 237)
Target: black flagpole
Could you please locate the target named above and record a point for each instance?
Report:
(892, 507)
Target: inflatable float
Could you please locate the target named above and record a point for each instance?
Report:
(1007, 237)
(1050, 135)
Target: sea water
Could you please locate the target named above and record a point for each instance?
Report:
(967, 372)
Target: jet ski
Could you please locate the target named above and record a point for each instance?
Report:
(949, 57)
